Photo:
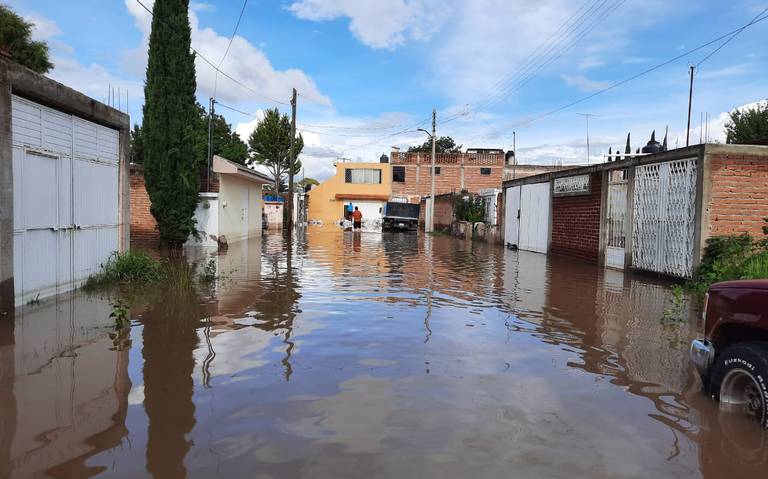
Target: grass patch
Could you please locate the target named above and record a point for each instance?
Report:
(138, 268)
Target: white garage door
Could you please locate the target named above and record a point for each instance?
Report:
(534, 217)
(65, 194)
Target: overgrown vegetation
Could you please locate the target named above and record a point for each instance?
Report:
(137, 268)
(468, 208)
(732, 257)
(443, 144)
(16, 36)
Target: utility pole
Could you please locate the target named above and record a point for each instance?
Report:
(587, 115)
(292, 160)
(690, 101)
(432, 203)
(514, 155)
(210, 144)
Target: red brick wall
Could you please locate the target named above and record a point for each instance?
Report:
(143, 224)
(449, 179)
(576, 223)
(443, 212)
(739, 194)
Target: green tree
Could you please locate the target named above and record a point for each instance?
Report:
(171, 167)
(270, 145)
(137, 145)
(16, 36)
(444, 144)
(748, 126)
(226, 142)
(308, 182)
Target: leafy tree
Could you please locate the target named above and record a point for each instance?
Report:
(444, 144)
(137, 145)
(308, 182)
(748, 126)
(171, 167)
(226, 142)
(270, 145)
(16, 36)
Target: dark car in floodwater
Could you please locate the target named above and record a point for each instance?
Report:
(732, 358)
(400, 216)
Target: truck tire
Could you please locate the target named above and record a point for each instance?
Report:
(739, 380)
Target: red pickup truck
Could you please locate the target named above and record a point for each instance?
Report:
(732, 358)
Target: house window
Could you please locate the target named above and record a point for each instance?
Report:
(437, 170)
(485, 171)
(368, 176)
(398, 174)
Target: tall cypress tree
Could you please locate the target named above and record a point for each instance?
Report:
(171, 168)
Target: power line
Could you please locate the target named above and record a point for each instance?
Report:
(633, 77)
(234, 32)
(222, 72)
(731, 38)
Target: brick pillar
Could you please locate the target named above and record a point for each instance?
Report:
(462, 173)
(418, 170)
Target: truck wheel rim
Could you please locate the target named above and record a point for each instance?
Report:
(741, 391)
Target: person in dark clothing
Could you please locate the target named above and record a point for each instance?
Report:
(357, 219)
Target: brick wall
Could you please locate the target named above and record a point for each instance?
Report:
(143, 225)
(443, 212)
(739, 194)
(576, 223)
(449, 178)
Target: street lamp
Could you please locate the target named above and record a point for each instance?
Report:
(429, 227)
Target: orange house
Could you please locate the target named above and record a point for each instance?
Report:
(364, 185)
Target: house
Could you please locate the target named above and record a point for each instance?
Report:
(652, 212)
(454, 172)
(63, 185)
(367, 186)
(232, 212)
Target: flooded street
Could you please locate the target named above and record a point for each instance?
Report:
(368, 355)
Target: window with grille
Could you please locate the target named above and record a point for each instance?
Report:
(437, 170)
(368, 176)
(398, 174)
(485, 171)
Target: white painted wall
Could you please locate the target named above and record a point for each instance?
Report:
(207, 217)
(239, 208)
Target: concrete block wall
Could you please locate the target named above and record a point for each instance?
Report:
(443, 212)
(143, 225)
(576, 223)
(738, 194)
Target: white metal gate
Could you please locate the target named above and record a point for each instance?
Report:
(616, 219)
(664, 217)
(534, 217)
(65, 177)
(512, 216)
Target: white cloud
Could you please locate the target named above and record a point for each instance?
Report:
(379, 23)
(43, 29)
(583, 83)
(245, 62)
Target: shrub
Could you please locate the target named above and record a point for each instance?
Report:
(128, 267)
(732, 257)
(468, 208)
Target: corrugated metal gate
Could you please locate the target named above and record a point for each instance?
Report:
(65, 177)
(664, 217)
(616, 219)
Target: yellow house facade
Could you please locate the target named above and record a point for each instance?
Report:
(367, 186)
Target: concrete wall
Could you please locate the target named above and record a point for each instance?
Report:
(458, 171)
(207, 220)
(576, 223)
(144, 230)
(274, 212)
(236, 196)
(18, 80)
(326, 201)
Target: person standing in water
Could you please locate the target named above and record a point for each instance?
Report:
(357, 219)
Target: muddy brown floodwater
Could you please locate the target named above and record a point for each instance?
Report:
(367, 355)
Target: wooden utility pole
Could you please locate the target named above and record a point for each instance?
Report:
(690, 101)
(292, 161)
(432, 202)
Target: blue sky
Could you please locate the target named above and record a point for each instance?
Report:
(367, 70)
